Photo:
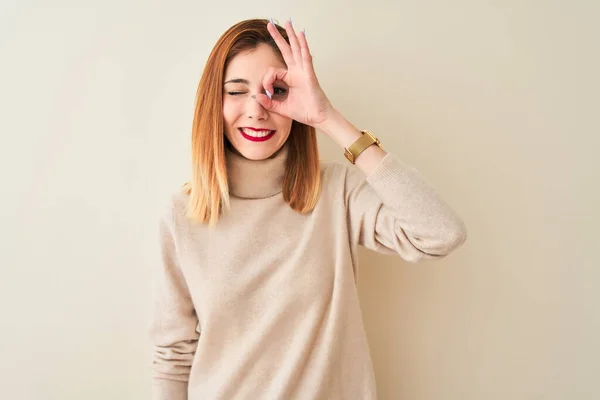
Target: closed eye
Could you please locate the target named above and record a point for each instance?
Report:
(278, 92)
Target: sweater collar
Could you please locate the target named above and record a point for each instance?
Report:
(256, 179)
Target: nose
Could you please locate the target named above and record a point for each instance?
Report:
(254, 110)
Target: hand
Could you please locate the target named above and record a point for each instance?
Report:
(305, 101)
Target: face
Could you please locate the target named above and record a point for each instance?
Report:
(253, 131)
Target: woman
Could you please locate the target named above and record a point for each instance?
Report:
(257, 295)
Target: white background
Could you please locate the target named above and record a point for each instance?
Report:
(494, 102)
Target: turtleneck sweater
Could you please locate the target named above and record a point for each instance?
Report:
(265, 305)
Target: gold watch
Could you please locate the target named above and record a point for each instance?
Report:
(366, 140)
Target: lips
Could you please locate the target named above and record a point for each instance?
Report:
(256, 134)
(255, 129)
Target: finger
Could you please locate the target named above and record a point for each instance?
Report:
(307, 61)
(283, 46)
(269, 104)
(273, 74)
(293, 42)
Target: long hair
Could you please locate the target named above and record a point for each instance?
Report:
(208, 189)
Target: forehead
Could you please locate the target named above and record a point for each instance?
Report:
(252, 64)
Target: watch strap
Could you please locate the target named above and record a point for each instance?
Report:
(362, 143)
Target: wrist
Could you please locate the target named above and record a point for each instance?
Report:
(339, 129)
(332, 117)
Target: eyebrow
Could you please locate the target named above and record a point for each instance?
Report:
(238, 80)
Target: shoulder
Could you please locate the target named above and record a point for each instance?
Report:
(334, 169)
(343, 173)
(339, 178)
(174, 207)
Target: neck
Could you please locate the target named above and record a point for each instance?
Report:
(255, 179)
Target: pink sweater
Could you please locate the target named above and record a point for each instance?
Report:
(265, 306)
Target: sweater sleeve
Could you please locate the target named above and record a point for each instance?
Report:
(173, 328)
(394, 210)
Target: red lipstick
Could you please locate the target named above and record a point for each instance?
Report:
(257, 139)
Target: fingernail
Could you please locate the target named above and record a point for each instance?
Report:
(291, 21)
(273, 23)
(269, 95)
(304, 32)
